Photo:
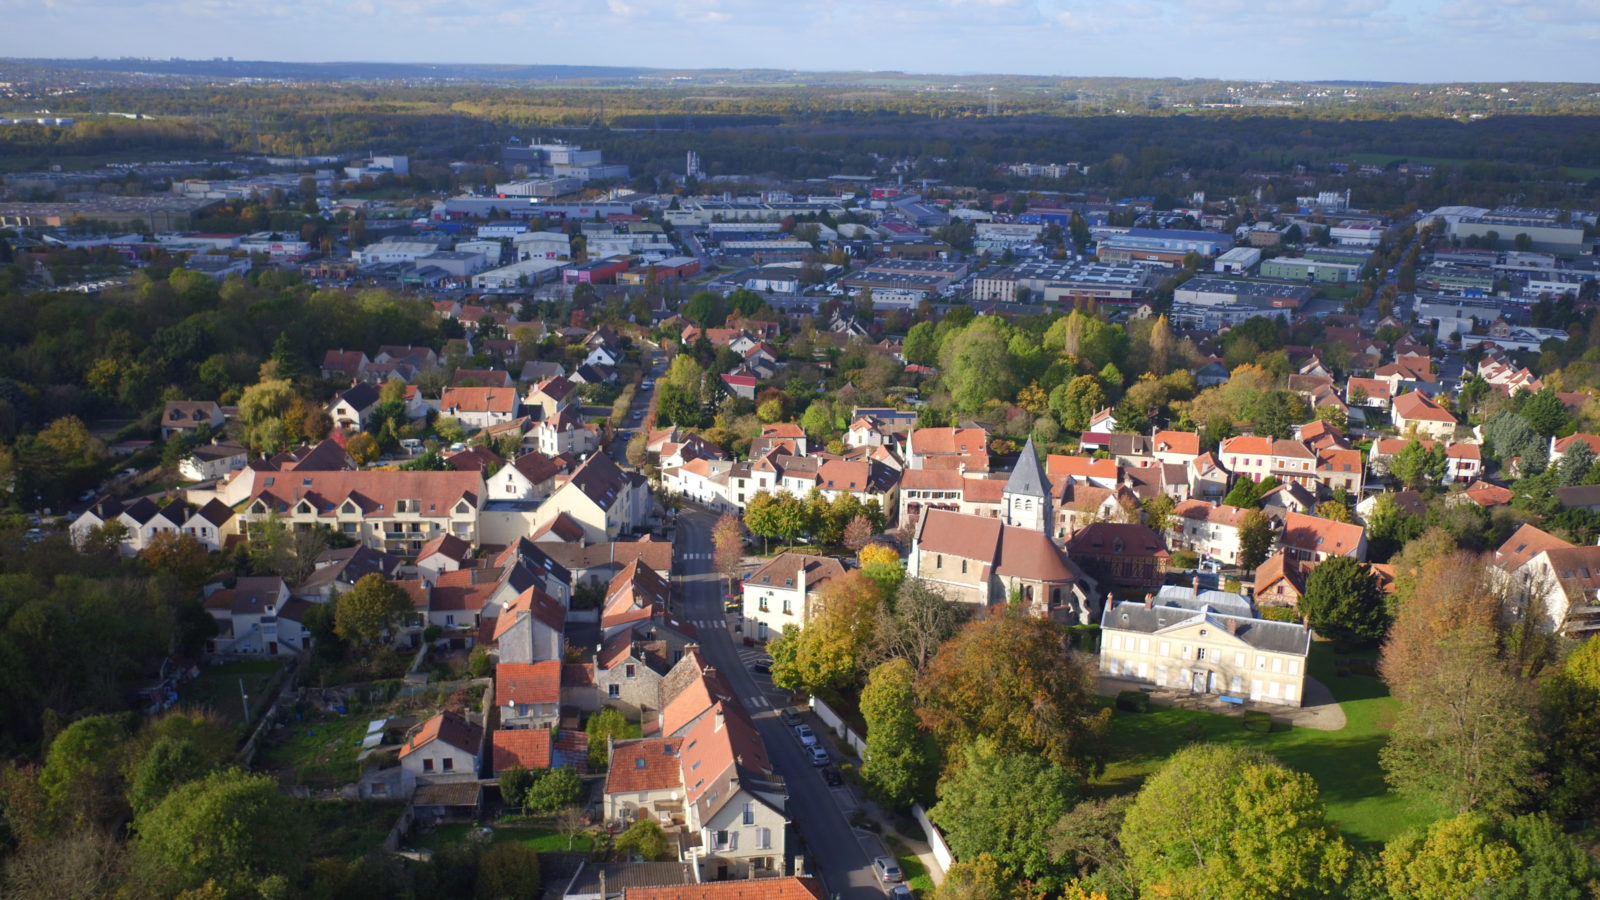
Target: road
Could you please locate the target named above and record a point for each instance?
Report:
(818, 811)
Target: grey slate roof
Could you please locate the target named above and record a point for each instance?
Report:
(1028, 479)
(1198, 601)
(1262, 634)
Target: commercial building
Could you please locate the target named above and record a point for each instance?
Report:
(1298, 269)
(1168, 247)
(1238, 261)
(1545, 235)
(519, 274)
(1234, 291)
(154, 213)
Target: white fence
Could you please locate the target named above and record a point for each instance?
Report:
(833, 721)
(941, 850)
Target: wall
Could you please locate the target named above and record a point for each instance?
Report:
(941, 850)
(833, 721)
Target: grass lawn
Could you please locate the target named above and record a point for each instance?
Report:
(1344, 762)
(916, 875)
(321, 752)
(543, 840)
(217, 687)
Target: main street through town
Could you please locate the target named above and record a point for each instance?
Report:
(820, 814)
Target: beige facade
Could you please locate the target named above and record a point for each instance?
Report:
(1197, 652)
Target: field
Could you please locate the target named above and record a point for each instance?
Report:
(217, 688)
(1344, 762)
(321, 752)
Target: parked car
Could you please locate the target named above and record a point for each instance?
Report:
(888, 869)
(900, 892)
(832, 776)
(820, 757)
(762, 666)
(807, 736)
(789, 717)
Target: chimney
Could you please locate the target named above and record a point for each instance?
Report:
(721, 719)
(1195, 582)
(1149, 601)
(800, 582)
(1305, 622)
(1233, 626)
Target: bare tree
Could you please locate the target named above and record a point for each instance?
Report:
(728, 538)
(571, 822)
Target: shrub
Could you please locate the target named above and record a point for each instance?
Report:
(1184, 559)
(1084, 637)
(431, 633)
(1133, 701)
(1280, 613)
(1258, 720)
(480, 664)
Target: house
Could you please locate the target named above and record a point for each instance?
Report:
(1367, 392)
(1550, 581)
(564, 433)
(1100, 473)
(248, 618)
(597, 564)
(531, 629)
(1314, 539)
(867, 431)
(1209, 530)
(530, 476)
(1287, 498)
(345, 365)
(189, 416)
(1417, 414)
(528, 694)
(781, 592)
(635, 595)
(1208, 480)
(1579, 496)
(394, 511)
(983, 562)
(444, 748)
(1339, 469)
(1486, 495)
(1127, 557)
(644, 780)
(600, 497)
(1102, 422)
(353, 407)
(1205, 652)
(965, 448)
(480, 407)
(550, 397)
(630, 665)
(1463, 462)
(1257, 458)
(784, 431)
(1281, 580)
(337, 571)
(208, 462)
(1175, 447)
(477, 458)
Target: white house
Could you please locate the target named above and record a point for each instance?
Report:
(1211, 530)
(780, 592)
(445, 748)
(480, 407)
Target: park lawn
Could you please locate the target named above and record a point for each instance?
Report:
(542, 840)
(217, 688)
(1344, 763)
(320, 752)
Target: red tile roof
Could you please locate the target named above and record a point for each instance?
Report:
(1184, 442)
(1221, 514)
(1318, 535)
(1524, 544)
(1416, 405)
(529, 748)
(649, 764)
(451, 728)
(527, 683)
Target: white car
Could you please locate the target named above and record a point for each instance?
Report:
(820, 757)
(807, 736)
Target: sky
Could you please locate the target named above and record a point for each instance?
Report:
(1381, 40)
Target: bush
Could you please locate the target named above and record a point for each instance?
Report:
(1133, 701)
(1184, 559)
(1084, 637)
(431, 633)
(1280, 613)
(480, 664)
(1257, 720)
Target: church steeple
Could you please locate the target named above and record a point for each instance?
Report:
(1027, 493)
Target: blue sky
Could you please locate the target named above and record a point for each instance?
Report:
(1396, 40)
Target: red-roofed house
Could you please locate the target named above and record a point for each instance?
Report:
(1209, 530)
(530, 628)
(528, 694)
(480, 407)
(530, 748)
(1314, 539)
(444, 748)
(963, 446)
(1416, 413)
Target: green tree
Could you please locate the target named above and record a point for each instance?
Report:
(1417, 464)
(645, 839)
(607, 724)
(898, 762)
(920, 346)
(82, 769)
(977, 364)
(555, 790)
(1158, 512)
(231, 828)
(508, 871)
(1344, 602)
(1247, 492)
(1575, 463)
(370, 610)
(1219, 821)
(515, 781)
(785, 651)
(168, 763)
(1076, 401)
(1255, 539)
(1545, 413)
(761, 515)
(1473, 856)
(1004, 803)
(1011, 677)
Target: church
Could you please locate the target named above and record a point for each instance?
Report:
(986, 562)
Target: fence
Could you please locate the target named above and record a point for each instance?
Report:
(835, 722)
(280, 692)
(941, 850)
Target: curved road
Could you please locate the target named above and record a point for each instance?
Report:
(835, 849)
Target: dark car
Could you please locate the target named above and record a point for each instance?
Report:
(832, 777)
(762, 666)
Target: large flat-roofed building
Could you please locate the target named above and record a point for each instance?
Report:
(1233, 291)
(165, 213)
(1102, 284)
(1546, 236)
(1160, 245)
(1238, 261)
(520, 274)
(1296, 269)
